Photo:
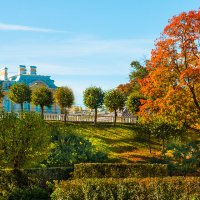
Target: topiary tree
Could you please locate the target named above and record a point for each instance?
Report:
(64, 97)
(23, 140)
(93, 99)
(1, 93)
(133, 103)
(114, 100)
(19, 93)
(42, 96)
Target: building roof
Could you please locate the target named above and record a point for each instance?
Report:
(28, 78)
(32, 79)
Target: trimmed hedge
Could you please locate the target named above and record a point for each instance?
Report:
(129, 189)
(49, 173)
(118, 170)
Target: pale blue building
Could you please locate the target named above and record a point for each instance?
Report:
(30, 78)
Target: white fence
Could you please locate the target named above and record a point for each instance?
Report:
(89, 118)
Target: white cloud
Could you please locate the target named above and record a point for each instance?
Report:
(78, 48)
(76, 56)
(13, 27)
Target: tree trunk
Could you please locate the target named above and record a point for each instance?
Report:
(149, 142)
(42, 111)
(95, 116)
(65, 115)
(20, 178)
(115, 119)
(163, 143)
(22, 107)
(16, 165)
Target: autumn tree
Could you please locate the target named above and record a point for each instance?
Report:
(126, 88)
(114, 100)
(42, 96)
(19, 93)
(172, 87)
(64, 97)
(93, 99)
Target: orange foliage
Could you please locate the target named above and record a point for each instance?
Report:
(126, 88)
(173, 84)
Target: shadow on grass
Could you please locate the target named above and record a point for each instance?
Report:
(99, 125)
(122, 149)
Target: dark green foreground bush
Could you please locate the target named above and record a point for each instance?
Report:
(30, 183)
(168, 188)
(29, 193)
(119, 170)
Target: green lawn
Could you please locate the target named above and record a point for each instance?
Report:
(122, 143)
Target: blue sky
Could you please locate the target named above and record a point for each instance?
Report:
(83, 43)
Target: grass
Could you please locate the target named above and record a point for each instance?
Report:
(122, 143)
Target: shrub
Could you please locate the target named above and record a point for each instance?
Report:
(132, 189)
(24, 139)
(109, 170)
(182, 158)
(28, 181)
(28, 193)
(71, 148)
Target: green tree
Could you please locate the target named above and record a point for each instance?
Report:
(93, 99)
(1, 93)
(114, 100)
(64, 97)
(164, 131)
(133, 103)
(160, 129)
(146, 129)
(42, 96)
(23, 140)
(19, 93)
(139, 71)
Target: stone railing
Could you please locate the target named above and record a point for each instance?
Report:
(89, 118)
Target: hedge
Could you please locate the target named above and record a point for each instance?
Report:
(50, 173)
(167, 188)
(119, 170)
